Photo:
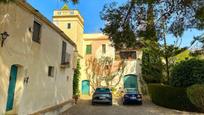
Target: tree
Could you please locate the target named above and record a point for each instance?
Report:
(152, 66)
(120, 34)
(199, 50)
(76, 79)
(199, 39)
(144, 16)
(152, 20)
(168, 52)
(100, 72)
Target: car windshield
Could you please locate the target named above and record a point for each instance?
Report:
(102, 90)
(131, 90)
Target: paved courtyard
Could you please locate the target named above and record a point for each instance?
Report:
(84, 107)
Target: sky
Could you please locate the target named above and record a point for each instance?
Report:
(90, 10)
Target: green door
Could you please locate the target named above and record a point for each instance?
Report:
(85, 87)
(130, 81)
(11, 89)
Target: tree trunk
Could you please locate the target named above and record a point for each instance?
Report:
(166, 59)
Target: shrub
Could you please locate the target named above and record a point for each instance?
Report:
(196, 95)
(76, 79)
(170, 97)
(187, 73)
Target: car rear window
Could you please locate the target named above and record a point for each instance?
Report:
(102, 90)
(131, 90)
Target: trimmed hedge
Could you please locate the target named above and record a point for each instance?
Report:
(170, 97)
(196, 95)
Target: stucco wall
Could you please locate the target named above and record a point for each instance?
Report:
(96, 44)
(32, 60)
(62, 17)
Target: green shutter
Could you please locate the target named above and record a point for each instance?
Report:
(36, 32)
(64, 48)
(88, 49)
(103, 48)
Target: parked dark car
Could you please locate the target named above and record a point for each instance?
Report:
(132, 96)
(102, 95)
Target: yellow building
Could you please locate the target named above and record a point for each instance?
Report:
(98, 45)
(36, 62)
(72, 24)
(94, 45)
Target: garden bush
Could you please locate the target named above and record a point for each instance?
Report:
(196, 95)
(187, 73)
(170, 97)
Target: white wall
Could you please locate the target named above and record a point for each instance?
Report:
(33, 60)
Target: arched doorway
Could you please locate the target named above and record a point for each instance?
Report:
(85, 87)
(11, 88)
(130, 81)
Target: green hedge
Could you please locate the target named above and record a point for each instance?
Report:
(170, 97)
(196, 95)
(187, 73)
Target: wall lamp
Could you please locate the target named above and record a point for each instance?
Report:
(4, 36)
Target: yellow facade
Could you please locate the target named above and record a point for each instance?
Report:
(97, 40)
(62, 18)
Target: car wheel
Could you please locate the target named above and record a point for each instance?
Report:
(110, 103)
(93, 103)
(140, 103)
(124, 103)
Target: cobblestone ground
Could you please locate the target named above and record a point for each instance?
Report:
(84, 107)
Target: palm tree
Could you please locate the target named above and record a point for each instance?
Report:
(199, 39)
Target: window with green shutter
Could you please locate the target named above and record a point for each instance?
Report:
(36, 31)
(103, 48)
(88, 49)
(64, 48)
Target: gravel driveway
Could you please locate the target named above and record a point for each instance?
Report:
(84, 107)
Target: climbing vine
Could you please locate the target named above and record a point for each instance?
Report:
(76, 79)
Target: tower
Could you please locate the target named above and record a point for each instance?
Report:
(71, 23)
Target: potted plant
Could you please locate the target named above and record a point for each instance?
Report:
(76, 98)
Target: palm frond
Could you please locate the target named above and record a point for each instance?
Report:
(198, 39)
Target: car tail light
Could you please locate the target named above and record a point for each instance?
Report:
(126, 96)
(110, 94)
(139, 96)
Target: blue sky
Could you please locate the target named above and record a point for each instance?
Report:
(90, 10)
